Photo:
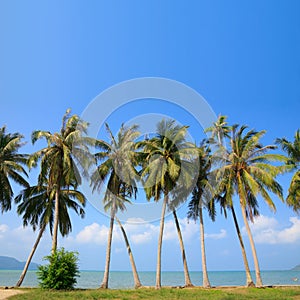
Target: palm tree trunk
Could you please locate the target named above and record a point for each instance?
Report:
(104, 284)
(56, 221)
(249, 281)
(206, 283)
(256, 265)
(136, 278)
(187, 279)
(161, 231)
(18, 284)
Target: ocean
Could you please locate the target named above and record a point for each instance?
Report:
(124, 280)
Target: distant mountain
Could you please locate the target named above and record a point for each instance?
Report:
(297, 268)
(10, 263)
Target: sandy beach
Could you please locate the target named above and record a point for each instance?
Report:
(5, 293)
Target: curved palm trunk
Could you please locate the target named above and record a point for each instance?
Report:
(249, 281)
(18, 284)
(206, 282)
(136, 278)
(256, 265)
(104, 284)
(187, 279)
(56, 221)
(161, 231)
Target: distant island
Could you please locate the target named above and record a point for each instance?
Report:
(10, 263)
(297, 268)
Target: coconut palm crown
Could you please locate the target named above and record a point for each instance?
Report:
(248, 170)
(11, 166)
(161, 170)
(293, 151)
(202, 197)
(117, 174)
(62, 161)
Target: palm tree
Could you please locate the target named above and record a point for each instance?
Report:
(201, 198)
(179, 196)
(293, 151)
(164, 156)
(187, 278)
(36, 205)
(60, 160)
(11, 166)
(219, 132)
(137, 282)
(248, 171)
(221, 198)
(117, 170)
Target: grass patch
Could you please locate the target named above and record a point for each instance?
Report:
(238, 293)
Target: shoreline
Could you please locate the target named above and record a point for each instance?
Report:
(124, 279)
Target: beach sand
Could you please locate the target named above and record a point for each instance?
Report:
(7, 292)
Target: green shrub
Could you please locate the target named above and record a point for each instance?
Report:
(61, 272)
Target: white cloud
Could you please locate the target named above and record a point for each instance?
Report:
(144, 232)
(267, 230)
(141, 238)
(139, 232)
(95, 234)
(190, 230)
(216, 236)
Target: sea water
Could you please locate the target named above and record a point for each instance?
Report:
(124, 280)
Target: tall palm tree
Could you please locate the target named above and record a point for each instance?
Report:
(137, 282)
(177, 198)
(11, 166)
(293, 151)
(220, 131)
(36, 205)
(179, 195)
(187, 278)
(221, 198)
(60, 160)
(201, 198)
(117, 170)
(164, 156)
(248, 171)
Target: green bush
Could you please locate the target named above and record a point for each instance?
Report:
(61, 272)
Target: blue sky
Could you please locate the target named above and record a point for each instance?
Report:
(242, 57)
